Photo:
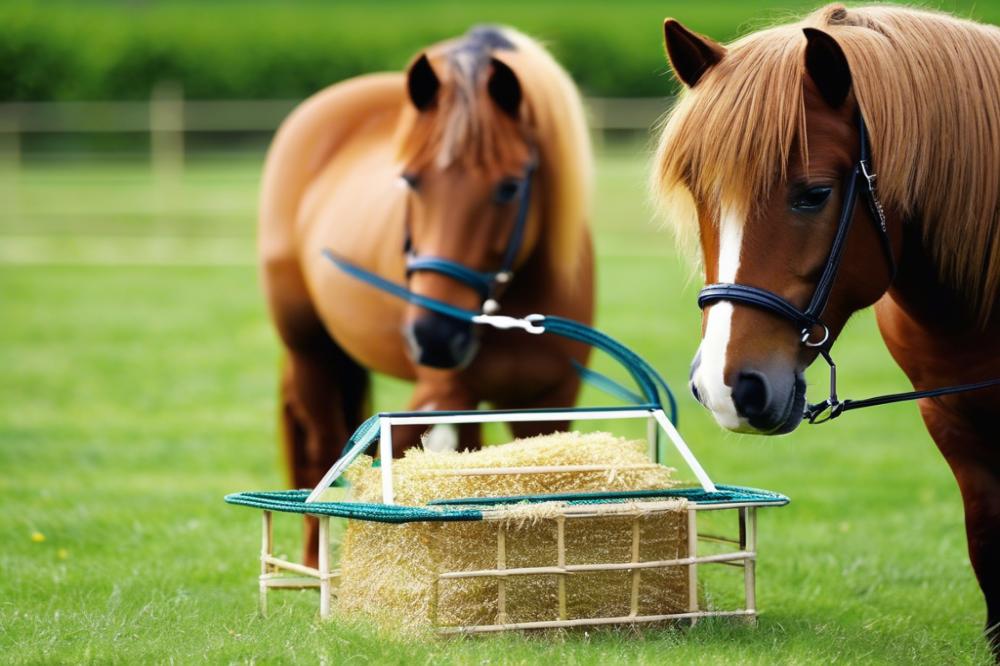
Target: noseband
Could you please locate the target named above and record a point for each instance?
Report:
(812, 331)
(486, 284)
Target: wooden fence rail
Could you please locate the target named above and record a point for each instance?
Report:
(166, 117)
(167, 110)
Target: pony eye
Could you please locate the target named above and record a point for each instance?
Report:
(507, 190)
(812, 199)
(410, 180)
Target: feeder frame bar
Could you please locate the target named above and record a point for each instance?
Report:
(385, 455)
(325, 588)
(561, 562)
(584, 622)
(715, 538)
(279, 563)
(685, 452)
(533, 469)
(289, 582)
(566, 569)
(266, 544)
(692, 534)
(653, 438)
(501, 566)
(386, 421)
(748, 541)
(501, 416)
(636, 571)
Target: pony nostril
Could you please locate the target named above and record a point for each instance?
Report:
(694, 392)
(440, 342)
(751, 394)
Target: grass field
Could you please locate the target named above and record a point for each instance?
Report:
(138, 388)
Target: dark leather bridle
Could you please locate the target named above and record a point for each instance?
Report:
(861, 182)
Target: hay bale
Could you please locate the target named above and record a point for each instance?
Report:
(421, 476)
(390, 572)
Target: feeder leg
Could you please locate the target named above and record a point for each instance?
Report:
(435, 595)
(653, 439)
(385, 458)
(693, 567)
(748, 539)
(502, 581)
(266, 547)
(636, 573)
(324, 567)
(561, 562)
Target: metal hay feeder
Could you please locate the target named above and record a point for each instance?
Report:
(633, 509)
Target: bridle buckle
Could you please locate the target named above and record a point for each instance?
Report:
(821, 412)
(869, 176)
(876, 203)
(806, 334)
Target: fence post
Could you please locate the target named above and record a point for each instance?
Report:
(10, 162)
(166, 136)
(596, 121)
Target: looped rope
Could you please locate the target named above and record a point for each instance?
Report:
(651, 384)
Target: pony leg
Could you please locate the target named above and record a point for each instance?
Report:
(562, 394)
(438, 396)
(964, 429)
(323, 396)
(974, 458)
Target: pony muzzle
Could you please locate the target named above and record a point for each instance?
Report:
(752, 400)
(438, 341)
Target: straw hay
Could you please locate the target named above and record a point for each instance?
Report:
(390, 572)
(419, 476)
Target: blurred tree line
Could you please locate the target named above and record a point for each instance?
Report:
(223, 49)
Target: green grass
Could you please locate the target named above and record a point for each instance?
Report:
(138, 388)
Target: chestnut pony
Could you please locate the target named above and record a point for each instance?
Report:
(757, 159)
(420, 177)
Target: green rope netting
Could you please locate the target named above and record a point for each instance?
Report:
(294, 501)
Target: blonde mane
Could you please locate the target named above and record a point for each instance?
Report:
(929, 87)
(477, 134)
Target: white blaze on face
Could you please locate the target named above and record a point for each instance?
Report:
(709, 378)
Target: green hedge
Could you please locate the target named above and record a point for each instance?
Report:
(218, 50)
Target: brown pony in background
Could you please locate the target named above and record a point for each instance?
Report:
(432, 157)
(753, 160)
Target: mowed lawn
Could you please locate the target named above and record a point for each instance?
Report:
(139, 376)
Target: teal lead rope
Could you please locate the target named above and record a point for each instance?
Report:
(651, 384)
(294, 501)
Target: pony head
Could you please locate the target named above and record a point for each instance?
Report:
(754, 158)
(475, 132)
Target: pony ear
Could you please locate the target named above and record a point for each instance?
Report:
(422, 83)
(504, 87)
(827, 66)
(690, 54)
